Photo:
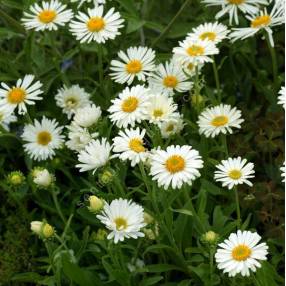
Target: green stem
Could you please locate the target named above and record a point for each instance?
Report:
(224, 144)
(165, 31)
(100, 68)
(237, 208)
(12, 22)
(216, 76)
(274, 62)
(211, 265)
(57, 205)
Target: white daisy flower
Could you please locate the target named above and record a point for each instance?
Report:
(6, 117)
(241, 253)
(233, 172)
(176, 166)
(282, 169)
(219, 119)
(232, 7)
(48, 16)
(130, 106)
(123, 218)
(94, 26)
(79, 137)
(169, 78)
(260, 21)
(95, 2)
(214, 32)
(95, 155)
(161, 108)
(188, 68)
(70, 99)
(282, 97)
(42, 138)
(172, 126)
(87, 116)
(24, 92)
(195, 51)
(137, 62)
(130, 146)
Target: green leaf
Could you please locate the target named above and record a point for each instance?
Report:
(182, 211)
(156, 268)
(151, 281)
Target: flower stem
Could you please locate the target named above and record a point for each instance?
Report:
(57, 205)
(216, 76)
(211, 265)
(237, 208)
(274, 62)
(165, 31)
(100, 68)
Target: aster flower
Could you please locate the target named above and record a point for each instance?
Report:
(137, 62)
(6, 117)
(241, 253)
(233, 172)
(123, 218)
(47, 16)
(87, 116)
(282, 97)
(171, 126)
(282, 169)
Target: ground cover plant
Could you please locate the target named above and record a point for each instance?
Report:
(142, 142)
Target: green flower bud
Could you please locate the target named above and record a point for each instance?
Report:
(16, 178)
(95, 204)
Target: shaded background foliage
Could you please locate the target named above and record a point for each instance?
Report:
(245, 71)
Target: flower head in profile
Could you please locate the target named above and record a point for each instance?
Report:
(47, 16)
(42, 229)
(233, 172)
(169, 78)
(130, 107)
(123, 218)
(175, 166)
(95, 155)
(213, 32)
(261, 21)
(96, 26)
(25, 92)
(219, 119)
(195, 51)
(70, 99)
(282, 97)
(6, 117)
(241, 253)
(171, 126)
(42, 177)
(87, 116)
(137, 62)
(129, 145)
(232, 7)
(42, 138)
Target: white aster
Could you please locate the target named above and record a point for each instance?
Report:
(175, 166)
(282, 97)
(123, 218)
(219, 119)
(42, 138)
(171, 126)
(189, 69)
(137, 62)
(241, 253)
(6, 117)
(78, 137)
(260, 21)
(95, 155)
(25, 92)
(195, 51)
(169, 78)
(95, 2)
(95, 26)
(233, 172)
(43, 178)
(282, 169)
(87, 116)
(232, 7)
(129, 145)
(130, 106)
(47, 16)
(214, 32)
(161, 108)
(70, 99)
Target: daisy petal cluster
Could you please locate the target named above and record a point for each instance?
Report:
(282, 97)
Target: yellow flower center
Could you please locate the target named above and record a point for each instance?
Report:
(130, 104)
(211, 36)
(170, 81)
(71, 102)
(195, 50)
(241, 252)
(134, 66)
(136, 145)
(236, 2)
(190, 66)
(219, 120)
(235, 174)
(158, 113)
(44, 138)
(16, 95)
(121, 223)
(261, 21)
(95, 24)
(175, 163)
(47, 16)
(170, 128)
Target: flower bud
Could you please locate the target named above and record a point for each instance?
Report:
(106, 177)
(210, 237)
(197, 99)
(148, 219)
(101, 234)
(42, 178)
(95, 204)
(16, 178)
(43, 229)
